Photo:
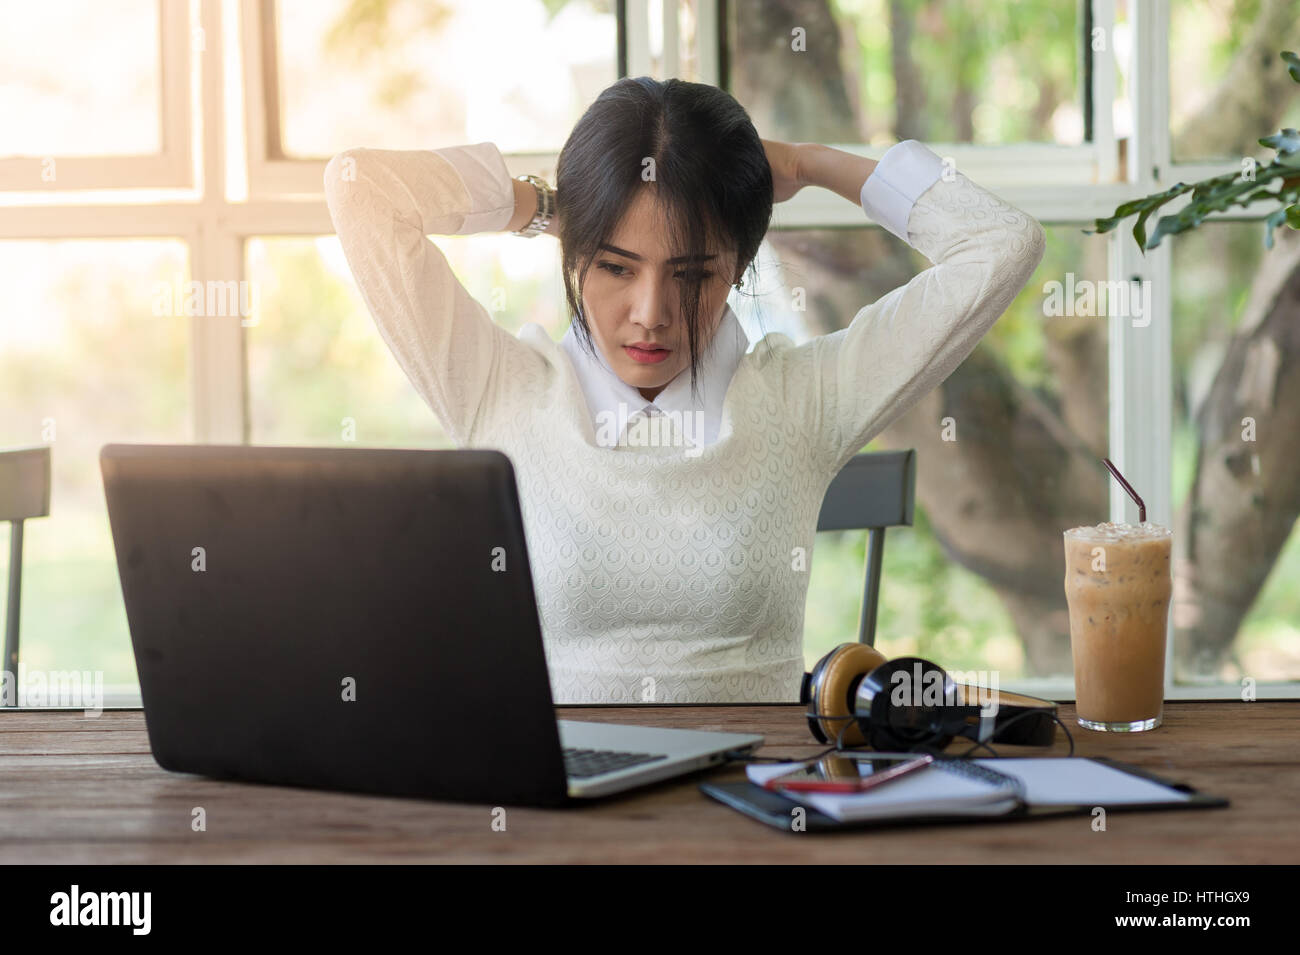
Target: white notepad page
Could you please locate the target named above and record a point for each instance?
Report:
(931, 790)
(1071, 781)
(1048, 781)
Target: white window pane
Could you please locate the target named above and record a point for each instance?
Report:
(319, 372)
(412, 76)
(977, 581)
(79, 78)
(1205, 114)
(945, 71)
(1236, 608)
(84, 361)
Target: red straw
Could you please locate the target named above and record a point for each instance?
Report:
(1142, 508)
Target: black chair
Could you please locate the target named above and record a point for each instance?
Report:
(875, 490)
(24, 493)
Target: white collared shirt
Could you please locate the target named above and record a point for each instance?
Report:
(662, 576)
(617, 408)
(619, 411)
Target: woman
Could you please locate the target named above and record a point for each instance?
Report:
(670, 477)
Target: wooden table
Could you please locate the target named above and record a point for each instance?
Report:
(87, 790)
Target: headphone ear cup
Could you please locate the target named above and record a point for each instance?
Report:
(905, 726)
(830, 691)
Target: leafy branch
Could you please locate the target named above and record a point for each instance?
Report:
(1218, 193)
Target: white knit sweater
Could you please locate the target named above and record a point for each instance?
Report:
(662, 575)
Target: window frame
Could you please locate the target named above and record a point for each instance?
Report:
(1072, 186)
(171, 167)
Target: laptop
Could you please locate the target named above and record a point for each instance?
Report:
(356, 619)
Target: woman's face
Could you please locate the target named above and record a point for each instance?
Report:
(632, 295)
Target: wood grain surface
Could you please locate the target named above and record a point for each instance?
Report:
(75, 789)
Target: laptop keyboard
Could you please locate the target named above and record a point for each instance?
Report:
(581, 763)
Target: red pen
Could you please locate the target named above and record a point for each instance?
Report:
(822, 781)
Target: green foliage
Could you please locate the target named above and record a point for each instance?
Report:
(974, 58)
(929, 605)
(1218, 193)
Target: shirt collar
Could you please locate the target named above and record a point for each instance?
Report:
(607, 393)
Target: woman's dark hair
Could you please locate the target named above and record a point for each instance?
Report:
(714, 182)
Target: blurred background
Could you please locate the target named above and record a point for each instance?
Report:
(147, 144)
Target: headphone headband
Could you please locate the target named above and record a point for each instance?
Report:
(858, 697)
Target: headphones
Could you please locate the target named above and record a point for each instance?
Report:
(859, 698)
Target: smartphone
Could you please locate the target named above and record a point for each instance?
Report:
(845, 774)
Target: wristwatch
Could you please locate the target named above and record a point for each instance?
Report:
(545, 207)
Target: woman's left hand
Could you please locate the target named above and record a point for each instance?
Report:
(787, 176)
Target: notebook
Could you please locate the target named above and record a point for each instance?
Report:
(942, 787)
(961, 790)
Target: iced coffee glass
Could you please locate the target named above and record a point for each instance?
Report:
(1117, 587)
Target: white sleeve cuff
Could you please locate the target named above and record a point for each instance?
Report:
(903, 173)
(487, 180)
